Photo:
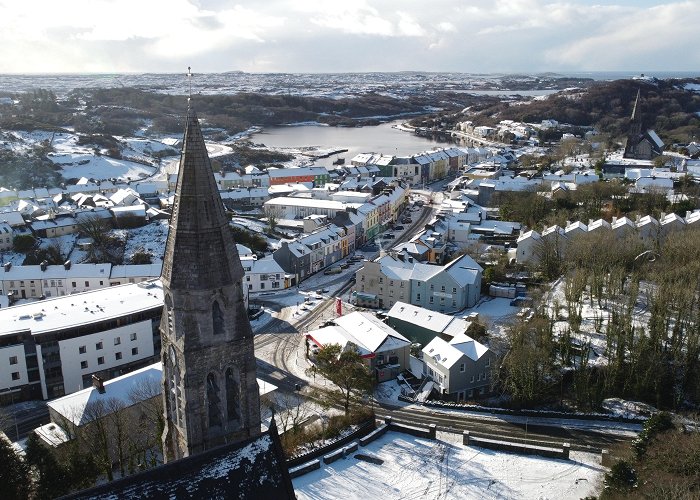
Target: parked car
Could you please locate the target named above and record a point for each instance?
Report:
(398, 228)
(332, 270)
(406, 220)
(389, 236)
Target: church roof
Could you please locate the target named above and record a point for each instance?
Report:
(249, 469)
(200, 244)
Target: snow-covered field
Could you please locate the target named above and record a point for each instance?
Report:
(150, 238)
(419, 468)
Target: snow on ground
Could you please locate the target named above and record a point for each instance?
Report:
(150, 238)
(76, 165)
(495, 312)
(254, 225)
(65, 243)
(414, 467)
(594, 319)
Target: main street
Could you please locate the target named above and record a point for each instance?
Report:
(284, 334)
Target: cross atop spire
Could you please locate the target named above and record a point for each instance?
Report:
(189, 79)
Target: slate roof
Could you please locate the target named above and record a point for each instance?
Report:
(199, 239)
(250, 469)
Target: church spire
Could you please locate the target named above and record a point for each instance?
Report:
(210, 392)
(199, 239)
(634, 109)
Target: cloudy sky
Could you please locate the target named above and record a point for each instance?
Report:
(348, 35)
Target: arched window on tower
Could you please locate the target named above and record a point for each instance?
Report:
(213, 401)
(233, 396)
(169, 313)
(217, 316)
(174, 391)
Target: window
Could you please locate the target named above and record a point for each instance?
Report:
(262, 286)
(74, 284)
(134, 351)
(98, 346)
(102, 283)
(472, 379)
(432, 299)
(432, 286)
(15, 375)
(391, 282)
(87, 283)
(101, 360)
(83, 364)
(275, 284)
(442, 288)
(454, 289)
(117, 356)
(133, 336)
(479, 377)
(488, 362)
(247, 278)
(117, 341)
(401, 285)
(381, 279)
(418, 296)
(82, 349)
(13, 360)
(461, 367)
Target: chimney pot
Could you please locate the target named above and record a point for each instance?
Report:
(98, 384)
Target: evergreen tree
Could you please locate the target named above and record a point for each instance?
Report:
(14, 473)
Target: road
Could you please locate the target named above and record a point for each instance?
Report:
(556, 431)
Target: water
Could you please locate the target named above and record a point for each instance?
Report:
(331, 85)
(382, 138)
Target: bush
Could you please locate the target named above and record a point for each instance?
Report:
(23, 243)
(621, 477)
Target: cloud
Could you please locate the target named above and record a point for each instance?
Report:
(315, 35)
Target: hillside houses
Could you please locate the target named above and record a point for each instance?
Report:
(647, 229)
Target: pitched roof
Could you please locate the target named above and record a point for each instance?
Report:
(363, 330)
(199, 239)
(254, 468)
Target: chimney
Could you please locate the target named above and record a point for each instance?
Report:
(7, 266)
(98, 384)
(67, 265)
(43, 265)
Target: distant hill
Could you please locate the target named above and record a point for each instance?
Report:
(670, 107)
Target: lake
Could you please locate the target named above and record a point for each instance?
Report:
(384, 138)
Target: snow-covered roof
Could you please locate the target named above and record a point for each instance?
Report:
(128, 389)
(34, 272)
(654, 137)
(449, 353)
(70, 311)
(136, 271)
(363, 330)
(430, 320)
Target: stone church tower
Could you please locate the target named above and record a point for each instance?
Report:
(210, 391)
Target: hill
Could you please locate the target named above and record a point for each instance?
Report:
(670, 107)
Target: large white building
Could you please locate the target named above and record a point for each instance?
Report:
(53, 347)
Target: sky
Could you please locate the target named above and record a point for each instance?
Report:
(317, 36)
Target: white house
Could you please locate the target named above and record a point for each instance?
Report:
(385, 351)
(460, 368)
